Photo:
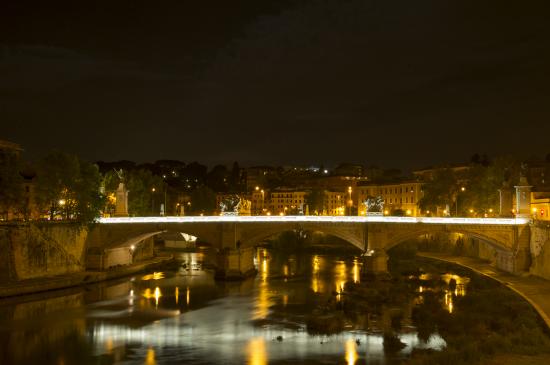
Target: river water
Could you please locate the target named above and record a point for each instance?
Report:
(181, 315)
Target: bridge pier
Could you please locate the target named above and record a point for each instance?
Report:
(376, 263)
(235, 264)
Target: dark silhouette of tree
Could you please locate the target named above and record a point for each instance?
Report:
(203, 200)
(69, 187)
(11, 183)
(315, 200)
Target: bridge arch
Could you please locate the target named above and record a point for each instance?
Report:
(414, 234)
(256, 239)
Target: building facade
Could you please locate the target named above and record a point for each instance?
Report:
(399, 198)
(287, 201)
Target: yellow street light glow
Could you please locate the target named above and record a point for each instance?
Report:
(153, 190)
(471, 210)
(491, 210)
(386, 212)
(409, 212)
(281, 213)
(257, 188)
(61, 202)
(535, 210)
(463, 189)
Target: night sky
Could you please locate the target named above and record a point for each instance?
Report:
(397, 83)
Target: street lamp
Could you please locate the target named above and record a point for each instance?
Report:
(462, 189)
(153, 201)
(350, 200)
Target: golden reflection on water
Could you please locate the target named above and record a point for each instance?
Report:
(449, 301)
(156, 294)
(153, 276)
(351, 351)
(356, 276)
(262, 303)
(317, 285)
(340, 276)
(187, 296)
(256, 351)
(109, 345)
(150, 357)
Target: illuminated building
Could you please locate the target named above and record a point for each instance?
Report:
(402, 196)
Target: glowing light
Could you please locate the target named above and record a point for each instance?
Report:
(257, 188)
(409, 212)
(314, 218)
(187, 296)
(257, 354)
(351, 352)
(463, 189)
(61, 202)
(535, 210)
(132, 247)
(355, 271)
(177, 294)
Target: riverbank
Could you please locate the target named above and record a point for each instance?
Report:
(31, 286)
(534, 290)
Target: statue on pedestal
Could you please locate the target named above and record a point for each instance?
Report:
(230, 205)
(374, 205)
(121, 195)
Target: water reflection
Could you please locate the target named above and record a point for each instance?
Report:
(257, 355)
(150, 357)
(351, 351)
(257, 321)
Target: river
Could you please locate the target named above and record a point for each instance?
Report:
(181, 315)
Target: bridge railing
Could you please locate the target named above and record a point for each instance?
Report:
(313, 218)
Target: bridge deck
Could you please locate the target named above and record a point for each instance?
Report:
(318, 219)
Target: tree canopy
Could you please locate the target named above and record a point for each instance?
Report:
(68, 188)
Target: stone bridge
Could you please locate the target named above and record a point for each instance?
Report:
(237, 235)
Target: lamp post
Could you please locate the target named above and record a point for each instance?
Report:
(153, 201)
(462, 189)
(350, 202)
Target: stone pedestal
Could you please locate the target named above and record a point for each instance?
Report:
(523, 198)
(376, 263)
(121, 207)
(235, 264)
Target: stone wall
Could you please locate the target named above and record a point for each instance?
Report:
(38, 250)
(540, 250)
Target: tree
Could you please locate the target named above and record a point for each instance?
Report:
(440, 192)
(217, 178)
(68, 188)
(315, 200)
(203, 200)
(235, 183)
(481, 195)
(11, 183)
(146, 191)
